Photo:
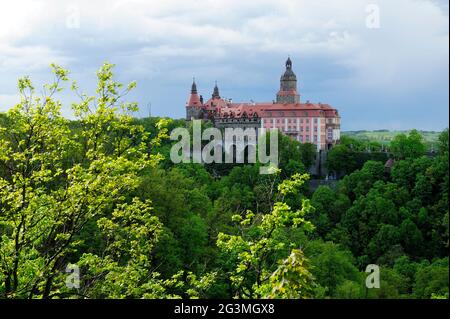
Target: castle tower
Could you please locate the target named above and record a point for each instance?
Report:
(194, 99)
(288, 86)
(216, 94)
(194, 104)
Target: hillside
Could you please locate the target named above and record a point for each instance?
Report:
(385, 136)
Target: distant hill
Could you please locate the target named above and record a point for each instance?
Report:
(385, 136)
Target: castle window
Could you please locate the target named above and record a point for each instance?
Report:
(330, 134)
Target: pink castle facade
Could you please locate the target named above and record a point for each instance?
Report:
(307, 122)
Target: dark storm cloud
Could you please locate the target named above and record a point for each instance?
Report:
(395, 76)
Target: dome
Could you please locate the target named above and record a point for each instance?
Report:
(289, 75)
(288, 86)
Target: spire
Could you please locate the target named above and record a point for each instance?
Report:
(194, 87)
(288, 86)
(194, 100)
(216, 92)
(288, 63)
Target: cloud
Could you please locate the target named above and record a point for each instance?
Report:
(242, 44)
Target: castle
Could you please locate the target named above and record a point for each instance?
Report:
(307, 122)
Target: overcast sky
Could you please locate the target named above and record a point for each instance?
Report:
(382, 66)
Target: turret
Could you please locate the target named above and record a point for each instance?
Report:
(216, 94)
(194, 99)
(288, 86)
(194, 104)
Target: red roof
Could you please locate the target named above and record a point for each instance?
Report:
(194, 100)
(226, 108)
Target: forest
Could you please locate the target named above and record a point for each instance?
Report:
(99, 194)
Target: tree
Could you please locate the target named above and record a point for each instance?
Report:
(411, 237)
(432, 279)
(288, 151)
(404, 172)
(57, 182)
(443, 142)
(392, 285)
(353, 143)
(308, 153)
(350, 290)
(360, 182)
(96, 193)
(407, 268)
(294, 167)
(331, 265)
(122, 269)
(366, 217)
(408, 146)
(323, 215)
(254, 273)
(341, 160)
(387, 237)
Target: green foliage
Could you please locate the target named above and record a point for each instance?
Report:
(47, 196)
(340, 159)
(443, 142)
(332, 266)
(100, 192)
(328, 209)
(398, 220)
(408, 146)
(253, 268)
(350, 290)
(351, 154)
(382, 138)
(291, 279)
(432, 279)
(123, 268)
(307, 154)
